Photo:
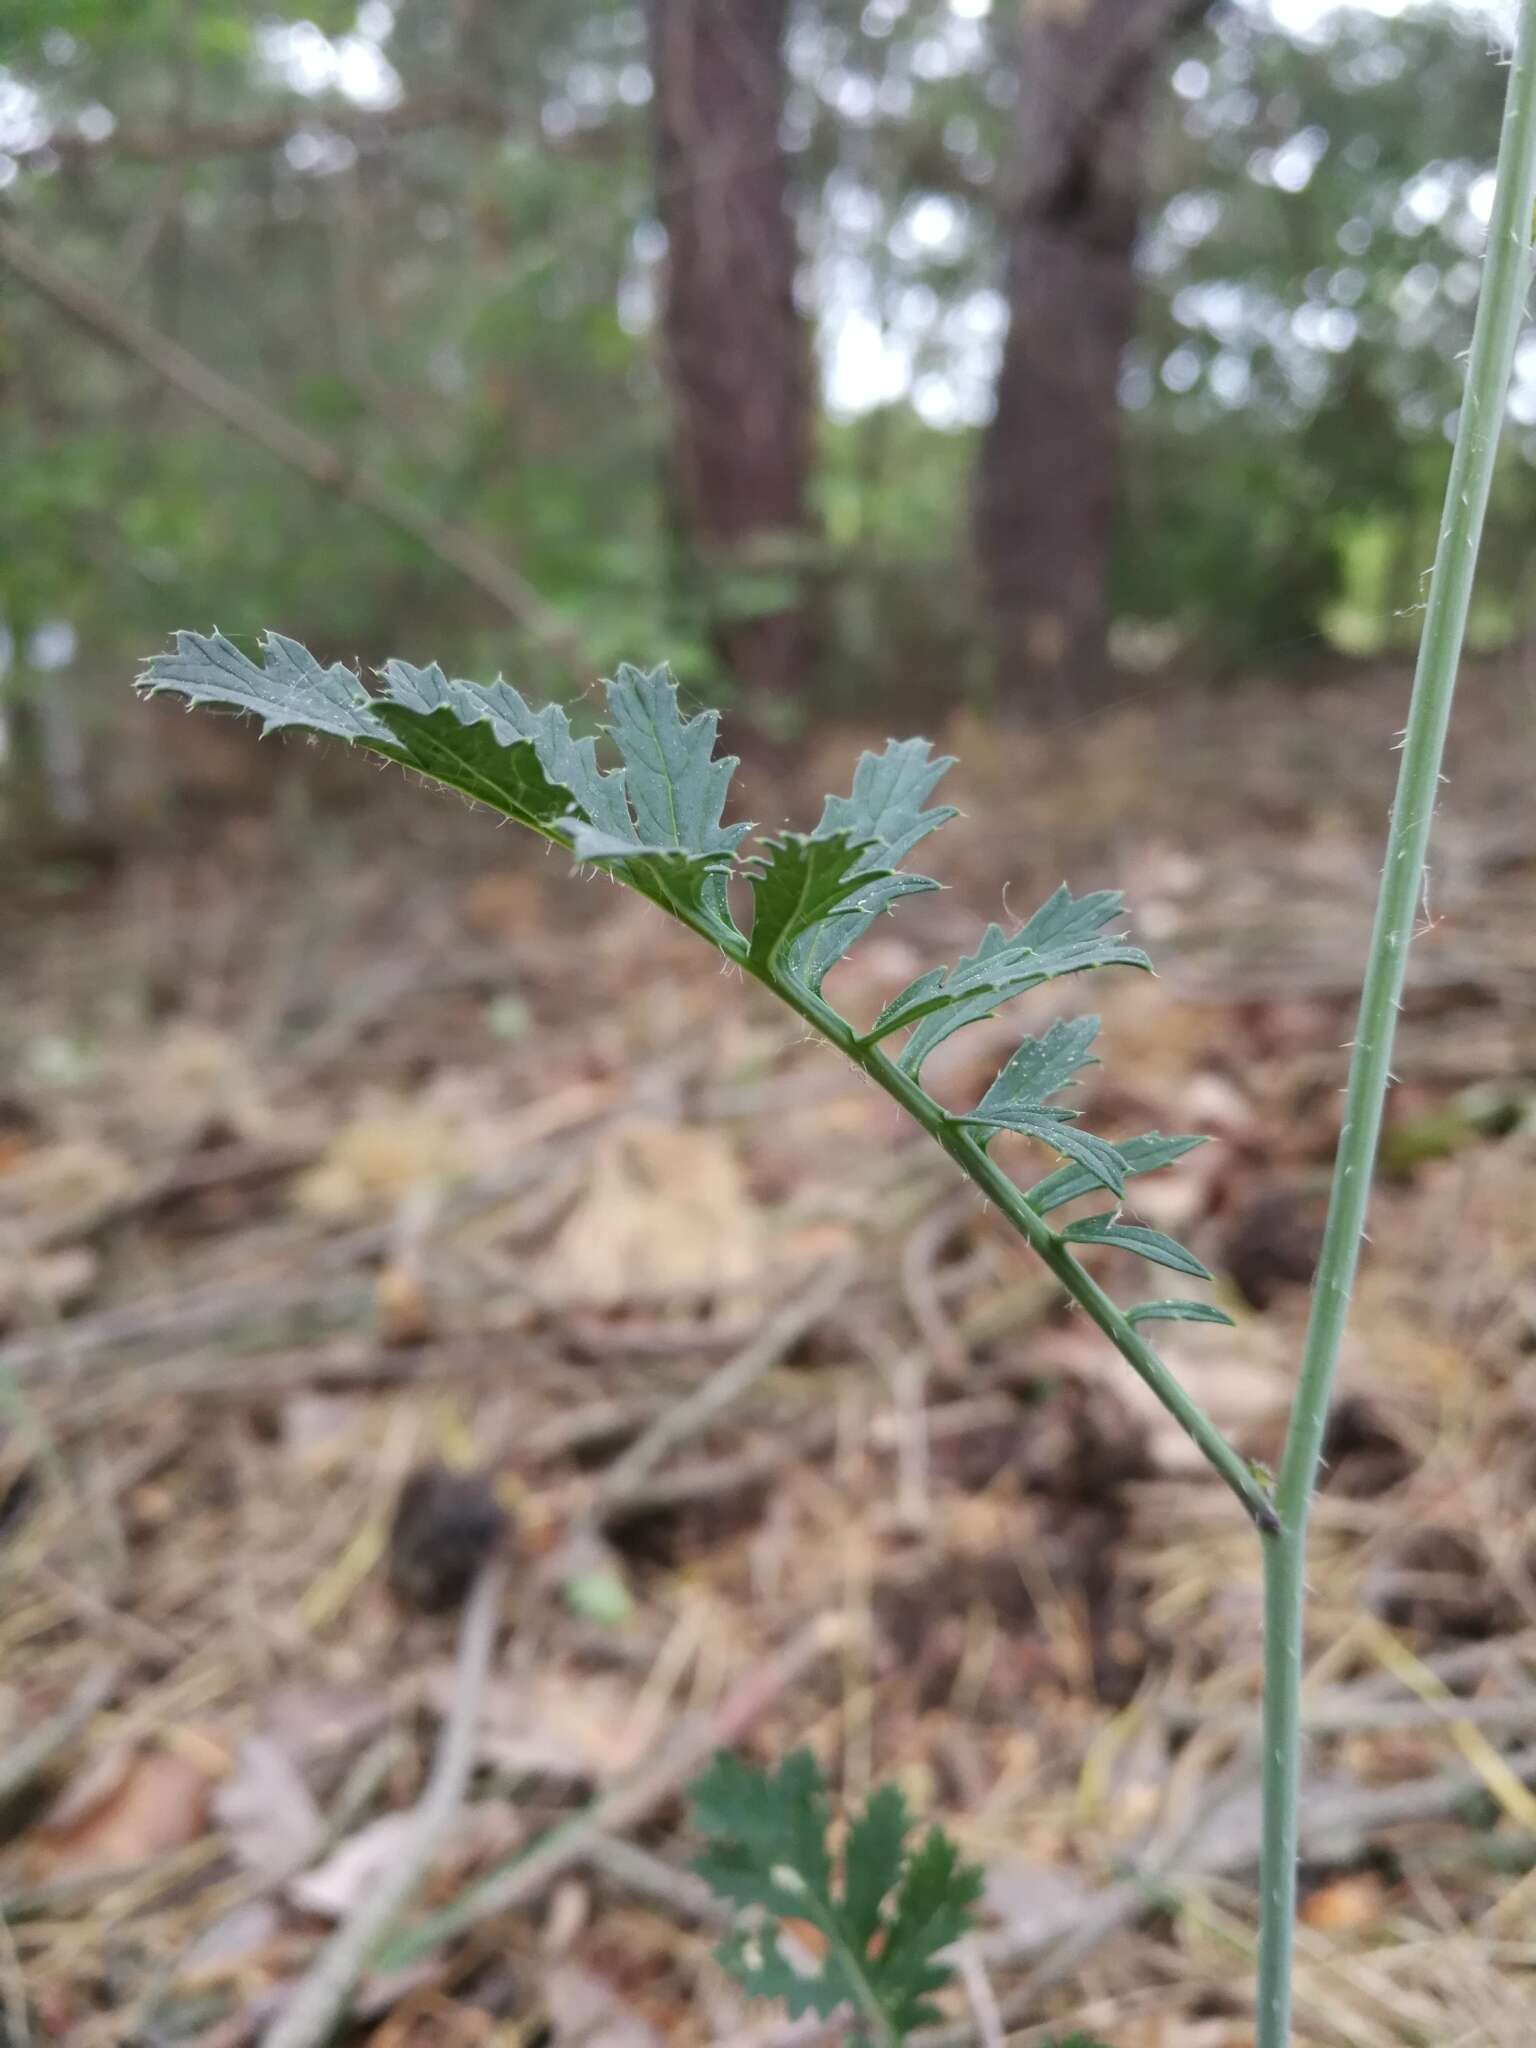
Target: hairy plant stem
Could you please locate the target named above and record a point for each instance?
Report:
(1500, 311)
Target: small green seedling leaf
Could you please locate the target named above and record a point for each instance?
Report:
(599, 1595)
(1178, 1312)
(1136, 1237)
(881, 1932)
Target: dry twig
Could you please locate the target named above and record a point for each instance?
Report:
(454, 546)
(309, 2016)
(35, 1752)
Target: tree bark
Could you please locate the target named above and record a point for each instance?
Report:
(734, 351)
(1047, 472)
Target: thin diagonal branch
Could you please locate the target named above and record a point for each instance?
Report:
(451, 108)
(454, 546)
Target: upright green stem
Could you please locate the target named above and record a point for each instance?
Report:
(1499, 314)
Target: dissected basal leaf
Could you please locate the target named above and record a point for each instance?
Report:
(881, 1932)
(1135, 1237)
(768, 1832)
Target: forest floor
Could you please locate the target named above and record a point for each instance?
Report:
(345, 1135)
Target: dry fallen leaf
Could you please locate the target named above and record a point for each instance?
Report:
(586, 2012)
(54, 1181)
(314, 1721)
(1347, 1905)
(123, 1807)
(267, 1810)
(664, 1214)
(402, 1305)
(1035, 1902)
(485, 1831)
(191, 1079)
(53, 1283)
(552, 1725)
(334, 1887)
(230, 1944)
(388, 1150)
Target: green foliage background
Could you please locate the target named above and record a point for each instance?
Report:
(467, 311)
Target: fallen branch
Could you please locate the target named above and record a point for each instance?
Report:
(453, 546)
(625, 1480)
(24, 1764)
(452, 107)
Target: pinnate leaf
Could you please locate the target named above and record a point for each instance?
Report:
(289, 688)
(655, 822)
(1041, 1067)
(484, 740)
(885, 814)
(885, 1927)
(933, 1909)
(1146, 1154)
(885, 809)
(1063, 937)
(1064, 918)
(1093, 1157)
(1135, 1237)
(675, 784)
(763, 1826)
(871, 1861)
(1177, 1312)
(799, 882)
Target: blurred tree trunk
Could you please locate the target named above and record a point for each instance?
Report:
(1045, 488)
(734, 350)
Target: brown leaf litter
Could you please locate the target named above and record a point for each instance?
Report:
(392, 1175)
